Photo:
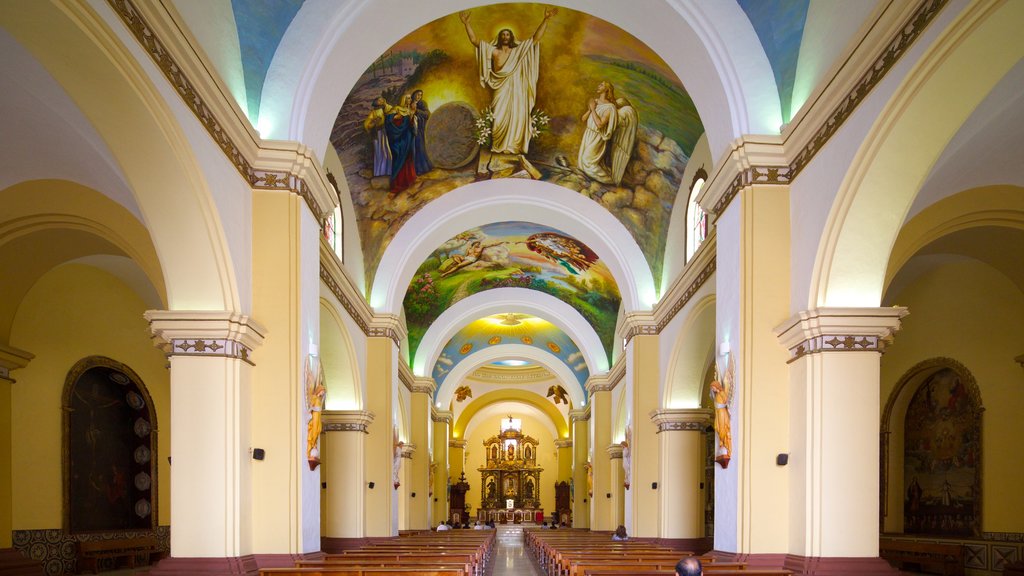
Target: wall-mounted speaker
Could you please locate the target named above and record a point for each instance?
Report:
(608, 495)
(654, 485)
(372, 485)
(259, 453)
(413, 494)
(323, 485)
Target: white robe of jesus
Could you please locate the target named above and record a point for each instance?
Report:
(515, 91)
(595, 141)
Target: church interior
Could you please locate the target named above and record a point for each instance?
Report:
(288, 277)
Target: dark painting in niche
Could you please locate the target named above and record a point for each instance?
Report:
(110, 449)
(942, 451)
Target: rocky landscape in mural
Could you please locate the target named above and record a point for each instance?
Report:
(516, 91)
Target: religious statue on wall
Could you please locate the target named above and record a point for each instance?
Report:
(721, 394)
(396, 469)
(316, 395)
(627, 457)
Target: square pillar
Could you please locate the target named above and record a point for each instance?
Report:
(617, 487)
(344, 447)
(442, 434)
(582, 479)
(681, 435)
(601, 437)
(419, 477)
(379, 457)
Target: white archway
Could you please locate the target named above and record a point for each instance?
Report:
(693, 351)
(504, 351)
(501, 300)
(509, 200)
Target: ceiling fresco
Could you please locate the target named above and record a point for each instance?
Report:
(512, 254)
(519, 91)
(779, 25)
(510, 328)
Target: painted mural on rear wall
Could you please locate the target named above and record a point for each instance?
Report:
(510, 328)
(512, 255)
(942, 451)
(517, 91)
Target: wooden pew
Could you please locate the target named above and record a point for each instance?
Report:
(906, 554)
(124, 552)
(355, 571)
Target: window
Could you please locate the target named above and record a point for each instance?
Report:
(334, 225)
(696, 219)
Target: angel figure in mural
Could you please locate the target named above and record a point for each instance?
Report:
(559, 393)
(721, 394)
(608, 120)
(463, 392)
(396, 470)
(316, 395)
(627, 457)
(510, 68)
(562, 250)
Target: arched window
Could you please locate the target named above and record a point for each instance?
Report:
(696, 219)
(110, 445)
(334, 226)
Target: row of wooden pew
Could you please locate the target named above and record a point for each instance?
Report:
(585, 553)
(450, 553)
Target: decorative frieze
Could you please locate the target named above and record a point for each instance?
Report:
(347, 421)
(526, 374)
(408, 450)
(614, 451)
(210, 347)
(563, 443)
(607, 381)
(440, 416)
(696, 284)
(580, 415)
(405, 375)
(424, 385)
(839, 330)
(371, 325)
(456, 443)
(197, 333)
(681, 419)
(639, 324)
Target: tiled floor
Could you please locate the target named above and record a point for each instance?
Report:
(510, 557)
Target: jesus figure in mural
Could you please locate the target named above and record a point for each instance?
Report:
(510, 69)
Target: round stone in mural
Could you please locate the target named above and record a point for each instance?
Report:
(142, 481)
(142, 454)
(135, 400)
(451, 135)
(142, 428)
(143, 508)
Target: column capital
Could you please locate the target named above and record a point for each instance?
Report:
(440, 415)
(607, 381)
(681, 419)
(408, 450)
(386, 326)
(460, 444)
(639, 324)
(205, 333)
(839, 330)
(12, 358)
(347, 420)
(424, 385)
(563, 443)
(579, 415)
(614, 451)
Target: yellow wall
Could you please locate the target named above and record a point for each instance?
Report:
(5, 464)
(546, 458)
(968, 312)
(72, 312)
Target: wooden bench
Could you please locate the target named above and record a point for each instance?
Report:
(123, 551)
(355, 571)
(923, 556)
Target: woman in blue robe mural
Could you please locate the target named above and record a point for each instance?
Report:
(400, 127)
(422, 161)
(374, 124)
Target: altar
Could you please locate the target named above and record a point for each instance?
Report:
(510, 478)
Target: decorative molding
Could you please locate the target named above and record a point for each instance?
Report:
(607, 381)
(439, 416)
(408, 450)
(524, 374)
(460, 444)
(347, 420)
(405, 375)
(372, 325)
(12, 358)
(563, 443)
(579, 415)
(681, 419)
(424, 385)
(638, 324)
(169, 58)
(697, 272)
(747, 164)
(839, 330)
(614, 451)
(198, 333)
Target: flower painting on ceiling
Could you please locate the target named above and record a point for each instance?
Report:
(512, 255)
(516, 91)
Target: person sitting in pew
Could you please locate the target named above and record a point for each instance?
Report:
(620, 533)
(689, 566)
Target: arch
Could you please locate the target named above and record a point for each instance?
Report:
(895, 414)
(136, 122)
(518, 300)
(63, 221)
(711, 46)
(337, 355)
(503, 408)
(526, 397)
(508, 200)
(692, 354)
(553, 363)
(123, 417)
(907, 138)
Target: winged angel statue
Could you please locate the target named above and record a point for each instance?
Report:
(721, 395)
(559, 394)
(609, 120)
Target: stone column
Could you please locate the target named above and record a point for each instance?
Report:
(404, 490)
(834, 415)
(442, 430)
(601, 515)
(617, 488)
(680, 435)
(379, 457)
(582, 496)
(642, 513)
(419, 478)
(211, 367)
(344, 448)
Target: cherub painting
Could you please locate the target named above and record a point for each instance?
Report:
(721, 394)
